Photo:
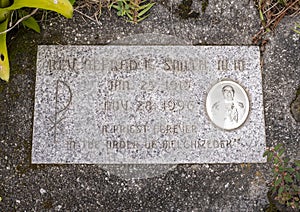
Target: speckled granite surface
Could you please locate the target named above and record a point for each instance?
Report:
(191, 187)
(145, 105)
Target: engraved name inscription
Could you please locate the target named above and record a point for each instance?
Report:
(167, 104)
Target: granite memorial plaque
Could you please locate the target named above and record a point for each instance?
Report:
(148, 105)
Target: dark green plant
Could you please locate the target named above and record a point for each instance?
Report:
(134, 10)
(285, 185)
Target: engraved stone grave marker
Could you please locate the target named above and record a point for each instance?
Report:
(148, 105)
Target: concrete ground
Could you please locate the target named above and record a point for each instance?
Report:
(193, 187)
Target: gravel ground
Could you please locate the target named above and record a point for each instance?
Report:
(233, 187)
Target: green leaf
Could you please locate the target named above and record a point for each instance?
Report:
(276, 148)
(32, 24)
(286, 160)
(290, 170)
(120, 5)
(273, 189)
(281, 168)
(298, 176)
(297, 162)
(4, 64)
(141, 19)
(116, 7)
(110, 6)
(133, 4)
(145, 5)
(297, 31)
(4, 3)
(275, 174)
(29, 22)
(149, 6)
(4, 15)
(130, 16)
(287, 189)
(266, 153)
(119, 13)
(63, 7)
(261, 16)
(132, 7)
(281, 151)
(270, 156)
(288, 179)
(280, 190)
(277, 182)
(72, 1)
(276, 160)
